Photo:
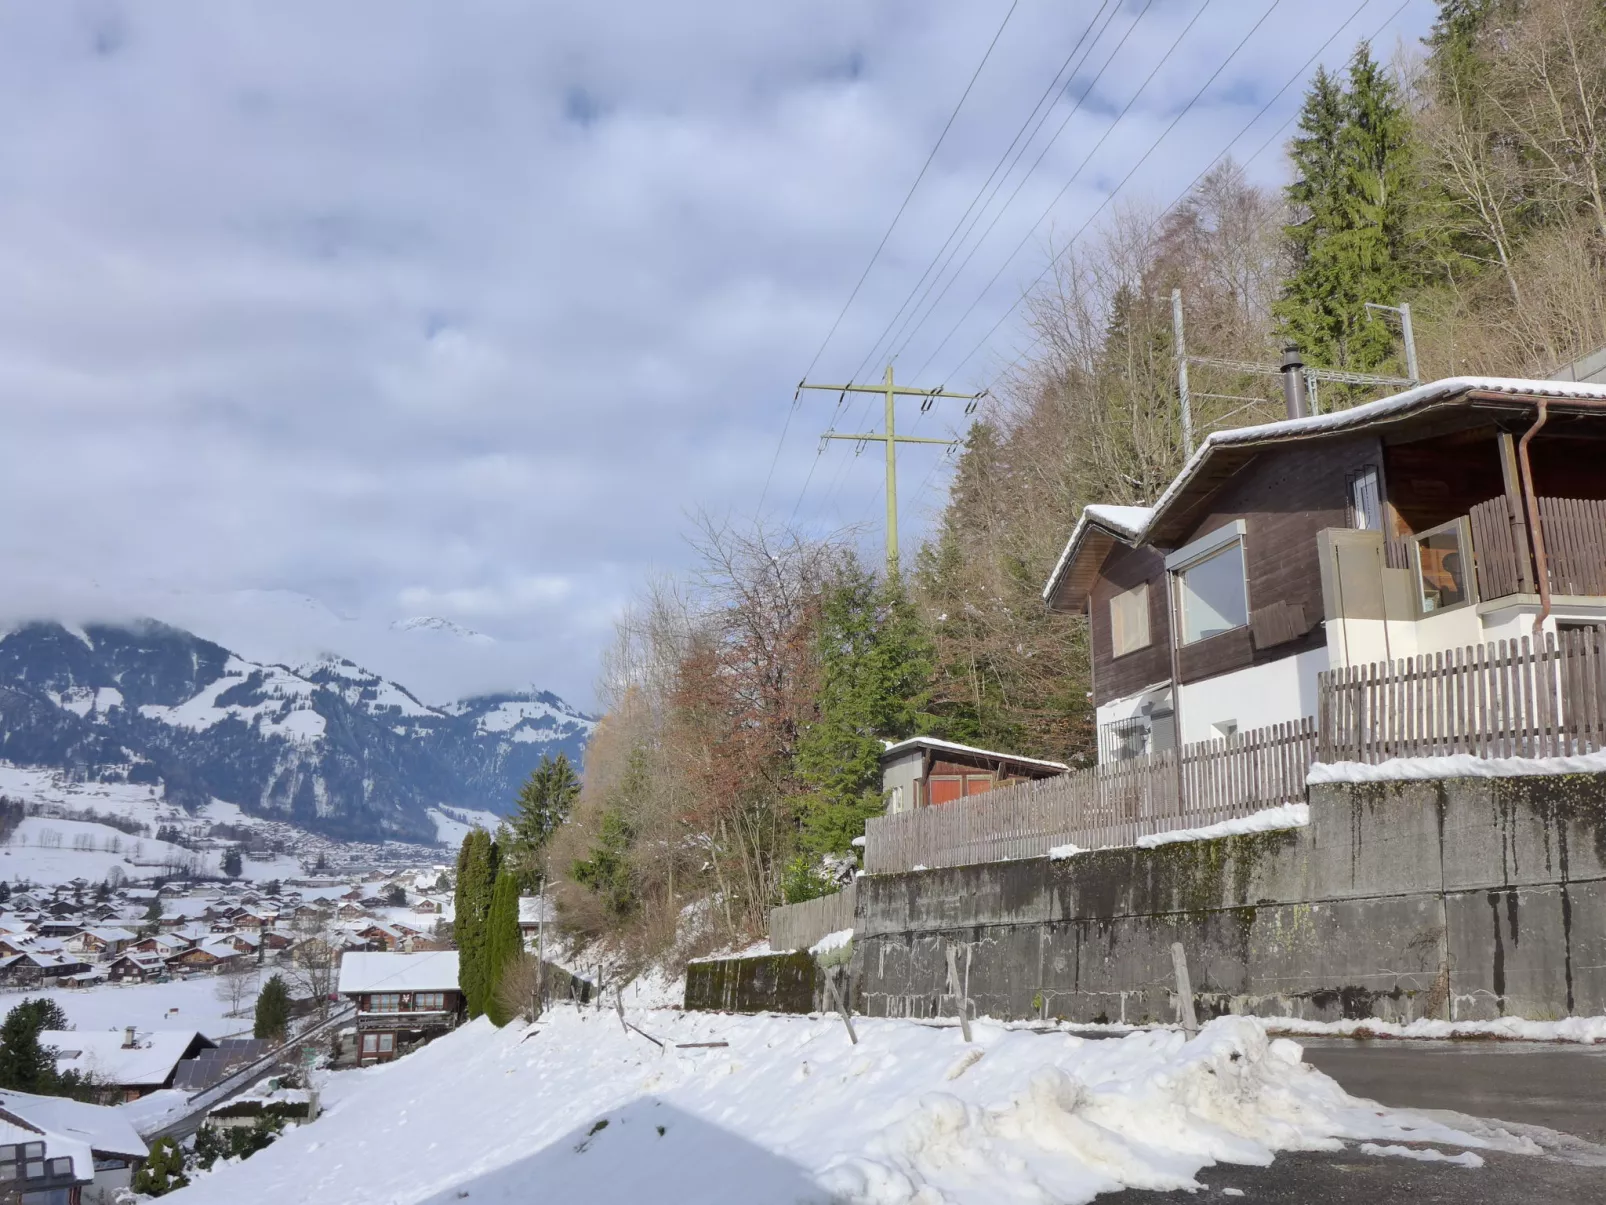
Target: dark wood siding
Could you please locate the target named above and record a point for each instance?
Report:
(1116, 677)
(1285, 496)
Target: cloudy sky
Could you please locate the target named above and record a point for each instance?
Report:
(314, 317)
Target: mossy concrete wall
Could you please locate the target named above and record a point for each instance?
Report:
(1463, 898)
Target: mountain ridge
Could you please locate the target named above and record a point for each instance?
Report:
(327, 745)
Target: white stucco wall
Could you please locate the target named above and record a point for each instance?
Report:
(1277, 692)
(898, 778)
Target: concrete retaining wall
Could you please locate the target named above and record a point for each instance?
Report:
(1463, 898)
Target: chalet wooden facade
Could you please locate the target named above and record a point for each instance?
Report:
(924, 771)
(403, 1000)
(1462, 512)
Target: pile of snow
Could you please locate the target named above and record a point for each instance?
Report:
(832, 941)
(1289, 815)
(1060, 852)
(1458, 765)
(579, 1108)
(1584, 1030)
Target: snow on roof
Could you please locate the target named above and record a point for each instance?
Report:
(1129, 520)
(364, 971)
(57, 1145)
(1393, 406)
(101, 1054)
(931, 742)
(100, 1127)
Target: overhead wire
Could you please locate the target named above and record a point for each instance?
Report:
(881, 246)
(1227, 150)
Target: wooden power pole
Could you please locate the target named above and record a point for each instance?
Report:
(891, 439)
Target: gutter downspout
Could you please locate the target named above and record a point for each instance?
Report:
(1531, 504)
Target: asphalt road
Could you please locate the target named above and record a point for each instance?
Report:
(1559, 1087)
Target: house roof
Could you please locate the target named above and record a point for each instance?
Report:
(100, 1127)
(15, 1130)
(931, 742)
(1224, 452)
(102, 1055)
(365, 971)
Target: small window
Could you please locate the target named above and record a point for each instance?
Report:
(370, 1043)
(1365, 500)
(35, 1169)
(1129, 620)
(429, 1001)
(8, 1171)
(1442, 566)
(61, 1167)
(387, 1043)
(384, 1002)
(1212, 594)
(33, 1150)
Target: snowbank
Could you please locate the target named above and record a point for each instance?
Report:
(1585, 1030)
(789, 1111)
(1459, 765)
(1289, 815)
(832, 941)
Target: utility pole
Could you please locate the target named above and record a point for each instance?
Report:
(891, 439)
(1180, 350)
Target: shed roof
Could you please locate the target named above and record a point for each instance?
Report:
(366, 971)
(941, 746)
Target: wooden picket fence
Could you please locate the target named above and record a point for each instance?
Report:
(799, 926)
(1115, 804)
(1512, 698)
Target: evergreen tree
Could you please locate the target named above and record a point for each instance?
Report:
(477, 864)
(231, 862)
(544, 803)
(607, 871)
(273, 1010)
(1353, 196)
(502, 941)
(875, 660)
(5, 892)
(26, 1064)
(163, 1170)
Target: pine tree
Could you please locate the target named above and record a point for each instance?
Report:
(544, 803)
(607, 871)
(273, 1010)
(231, 862)
(875, 661)
(502, 942)
(477, 863)
(163, 1170)
(1352, 192)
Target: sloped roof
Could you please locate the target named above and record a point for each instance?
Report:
(102, 1055)
(1223, 452)
(99, 1127)
(366, 971)
(931, 742)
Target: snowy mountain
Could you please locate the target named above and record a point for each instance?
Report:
(434, 625)
(327, 745)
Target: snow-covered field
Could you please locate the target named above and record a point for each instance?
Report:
(784, 1109)
(452, 825)
(181, 1004)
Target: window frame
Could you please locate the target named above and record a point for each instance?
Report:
(1180, 573)
(1462, 527)
(1142, 589)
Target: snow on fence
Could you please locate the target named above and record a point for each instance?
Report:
(1513, 698)
(799, 926)
(1115, 804)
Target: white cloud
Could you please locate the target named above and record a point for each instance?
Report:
(461, 308)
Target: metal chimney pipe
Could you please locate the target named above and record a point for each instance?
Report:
(1294, 383)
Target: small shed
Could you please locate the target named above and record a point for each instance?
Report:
(924, 771)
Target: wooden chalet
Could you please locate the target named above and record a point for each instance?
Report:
(924, 771)
(403, 1000)
(1459, 513)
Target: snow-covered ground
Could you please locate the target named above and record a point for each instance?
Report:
(785, 1109)
(453, 824)
(181, 1004)
(1584, 1030)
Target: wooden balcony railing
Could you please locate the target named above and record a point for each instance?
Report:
(1574, 531)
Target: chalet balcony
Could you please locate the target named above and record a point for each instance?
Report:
(438, 1018)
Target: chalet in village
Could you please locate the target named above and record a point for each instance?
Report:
(1460, 513)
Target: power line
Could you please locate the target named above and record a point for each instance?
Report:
(1186, 109)
(1109, 59)
(1180, 197)
(1054, 85)
(1260, 150)
(881, 246)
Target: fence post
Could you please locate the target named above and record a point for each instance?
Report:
(1185, 1014)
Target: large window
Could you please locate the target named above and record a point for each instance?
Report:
(1212, 594)
(429, 1001)
(384, 1002)
(1129, 620)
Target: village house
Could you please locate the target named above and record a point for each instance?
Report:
(1458, 513)
(82, 1153)
(39, 968)
(134, 966)
(403, 1000)
(100, 943)
(924, 771)
(125, 1062)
